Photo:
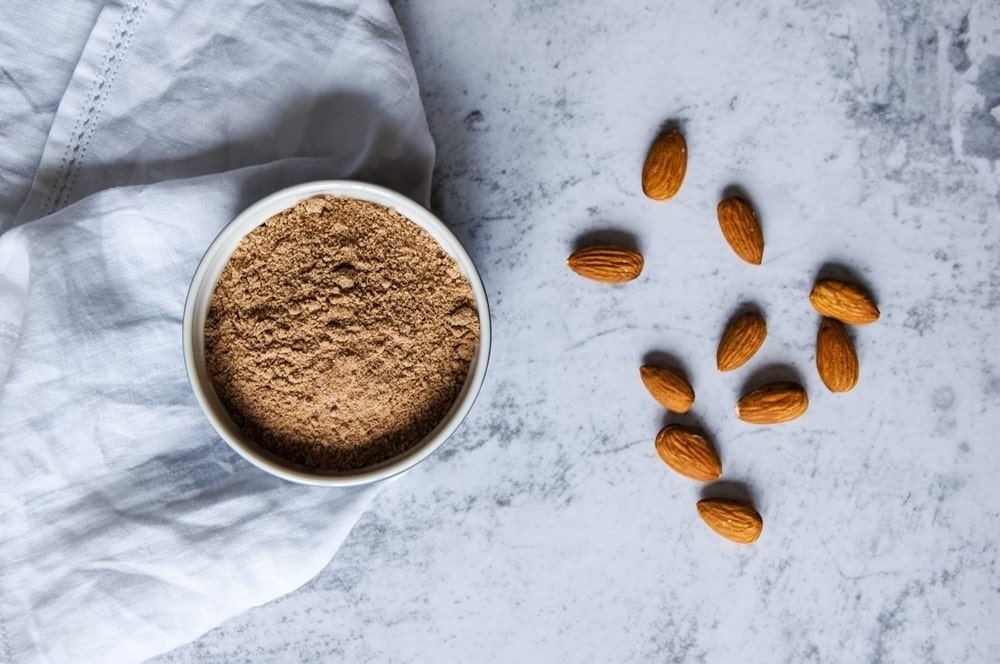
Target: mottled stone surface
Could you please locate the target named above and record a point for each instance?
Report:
(547, 530)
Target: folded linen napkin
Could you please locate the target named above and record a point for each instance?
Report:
(126, 526)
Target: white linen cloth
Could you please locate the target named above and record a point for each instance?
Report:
(127, 527)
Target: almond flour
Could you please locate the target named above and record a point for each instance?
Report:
(339, 334)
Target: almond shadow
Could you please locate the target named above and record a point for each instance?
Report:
(843, 272)
(619, 237)
(732, 190)
(675, 123)
(666, 359)
(729, 490)
(689, 419)
(743, 308)
(771, 373)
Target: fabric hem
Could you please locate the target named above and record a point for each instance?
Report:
(67, 144)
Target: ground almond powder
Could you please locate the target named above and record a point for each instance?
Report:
(339, 334)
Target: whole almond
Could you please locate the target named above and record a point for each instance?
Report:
(741, 228)
(836, 359)
(687, 451)
(668, 387)
(743, 337)
(845, 302)
(665, 166)
(733, 519)
(773, 403)
(606, 263)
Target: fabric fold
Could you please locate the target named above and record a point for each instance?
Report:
(127, 527)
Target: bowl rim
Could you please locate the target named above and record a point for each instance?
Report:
(203, 284)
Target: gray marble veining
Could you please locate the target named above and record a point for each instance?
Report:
(547, 530)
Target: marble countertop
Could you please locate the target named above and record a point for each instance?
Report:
(547, 530)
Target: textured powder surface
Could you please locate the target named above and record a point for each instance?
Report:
(339, 334)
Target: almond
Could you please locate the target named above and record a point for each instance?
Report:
(668, 386)
(773, 403)
(687, 451)
(743, 337)
(733, 519)
(665, 166)
(741, 229)
(606, 263)
(847, 303)
(836, 360)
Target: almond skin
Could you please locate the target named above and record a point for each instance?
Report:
(836, 359)
(845, 302)
(687, 451)
(665, 166)
(734, 520)
(773, 403)
(668, 387)
(741, 228)
(607, 263)
(743, 337)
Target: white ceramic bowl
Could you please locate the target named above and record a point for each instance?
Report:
(200, 295)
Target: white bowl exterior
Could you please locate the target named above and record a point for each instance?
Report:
(200, 296)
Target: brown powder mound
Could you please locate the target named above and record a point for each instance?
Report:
(339, 334)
